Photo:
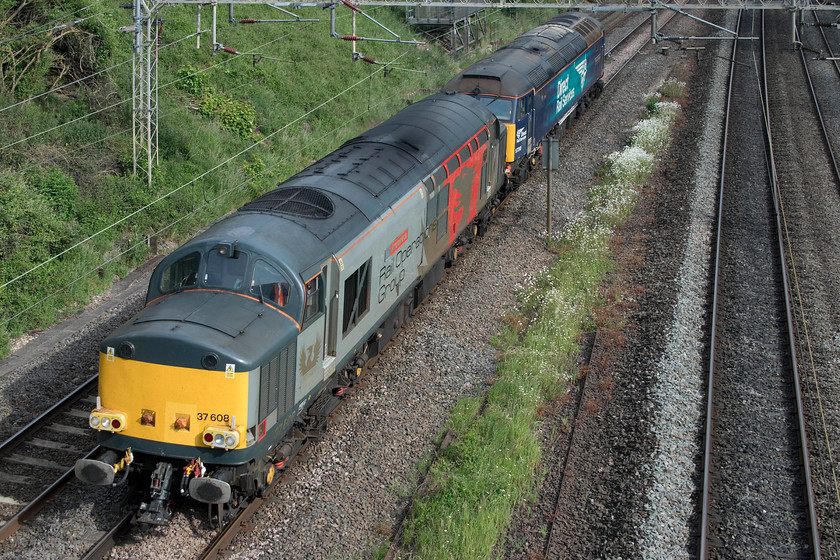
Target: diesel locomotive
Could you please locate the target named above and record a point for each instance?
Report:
(254, 329)
(539, 83)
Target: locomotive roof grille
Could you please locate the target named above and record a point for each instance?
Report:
(538, 75)
(296, 201)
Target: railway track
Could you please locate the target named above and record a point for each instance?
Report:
(37, 463)
(821, 83)
(629, 40)
(757, 497)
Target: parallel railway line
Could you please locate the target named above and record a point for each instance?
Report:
(549, 546)
(757, 493)
(809, 183)
(823, 87)
(28, 458)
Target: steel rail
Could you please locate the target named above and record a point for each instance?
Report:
(31, 509)
(627, 36)
(42, 420)
(639, 50)
(817, 107)
(103, 546)
(572, 441)
(35, 505)
(707, 453)
(215, 548)
(803, 436)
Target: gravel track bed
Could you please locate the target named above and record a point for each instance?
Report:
(53, 363)
(628, 497)
(811, 199)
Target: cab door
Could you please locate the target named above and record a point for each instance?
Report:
(528, 101)
(331, 277)
(524, 126)
(311, 341)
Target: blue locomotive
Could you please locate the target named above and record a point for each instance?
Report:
(254, 329)
(539, 83)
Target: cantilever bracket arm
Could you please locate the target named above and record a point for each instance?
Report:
(358, 10)
(658, 3)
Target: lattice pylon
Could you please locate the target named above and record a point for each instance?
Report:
(144, 89)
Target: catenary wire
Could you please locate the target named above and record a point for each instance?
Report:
(192, 181)
(206, 203)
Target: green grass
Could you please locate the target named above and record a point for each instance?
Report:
(494, 464)
(261, 121)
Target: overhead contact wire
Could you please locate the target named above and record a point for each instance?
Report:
(182, 218)
(190, 182)
(55, 27)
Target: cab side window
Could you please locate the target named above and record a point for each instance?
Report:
(356, 296)
(180, 274)
(314, 298)
(270, 285)
(522, 108)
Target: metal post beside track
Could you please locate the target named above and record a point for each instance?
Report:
(550, 162)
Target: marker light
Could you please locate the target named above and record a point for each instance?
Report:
(220, 437)
(107, 420)
(182, 422)
(147, 418)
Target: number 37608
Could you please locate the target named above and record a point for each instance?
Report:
(213, 417)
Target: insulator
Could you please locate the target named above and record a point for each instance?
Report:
(229, 50)
(369, 60)
(351, 38)
(351, 6)
(249, 20)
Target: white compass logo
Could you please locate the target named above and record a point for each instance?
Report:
(581, 69)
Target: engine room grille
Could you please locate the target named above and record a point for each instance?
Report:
(297, 201)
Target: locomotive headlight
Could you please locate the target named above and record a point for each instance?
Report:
(108, 420)
(220, 437)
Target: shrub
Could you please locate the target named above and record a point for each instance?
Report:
(633, 165)
(30, 230)
(672, 88)
(59, 190)
(192, 82)
(651, 100)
